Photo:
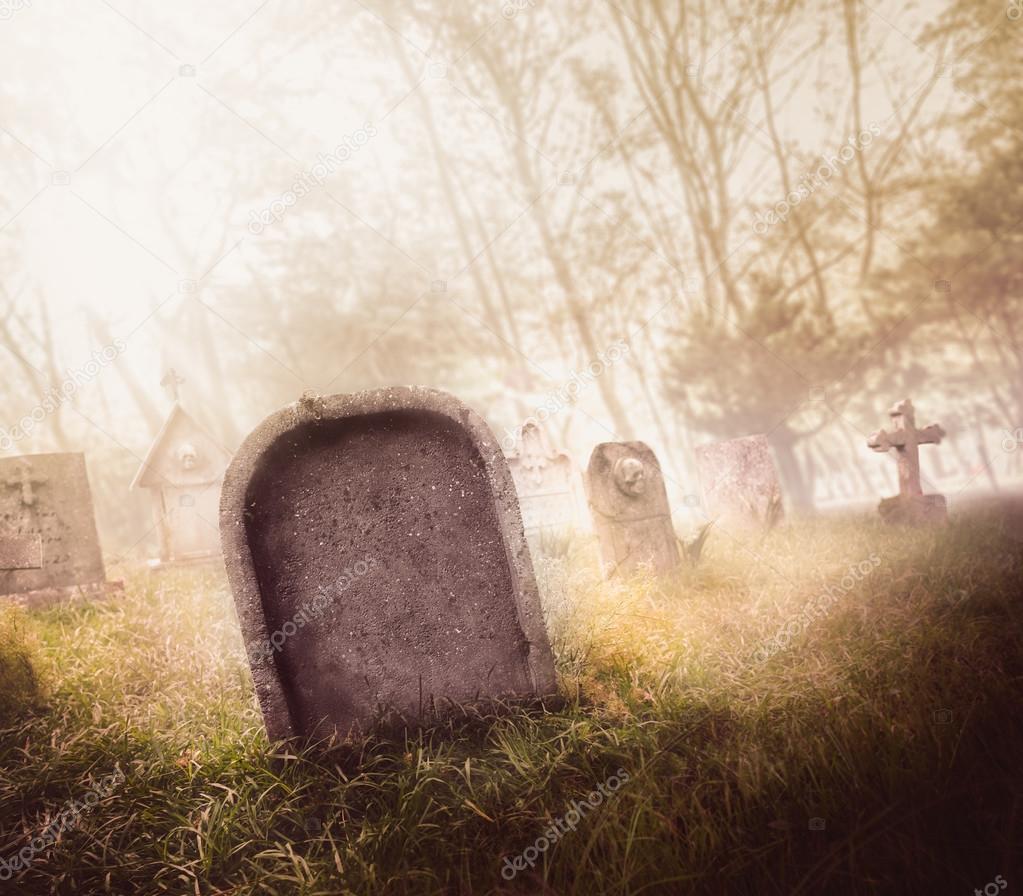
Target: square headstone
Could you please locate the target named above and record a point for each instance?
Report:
(375, 551)
(739, 481)
(48, 542)
(630, 509)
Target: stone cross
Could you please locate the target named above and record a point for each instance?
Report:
(911, 505)
(171, 382)
(906, 440)
(25, 480)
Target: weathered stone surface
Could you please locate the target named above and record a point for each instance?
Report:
(376, 539)
(740, 483)
(21, 552)
(544, 481)
(630, 509)
(912, 505)
(48, 524)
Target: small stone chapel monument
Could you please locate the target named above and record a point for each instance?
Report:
(49, 548)
(545, 481)
(375, 550)
(911, 505)
(630, 509)
(183, 472)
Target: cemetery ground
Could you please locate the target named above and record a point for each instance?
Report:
(834, 707)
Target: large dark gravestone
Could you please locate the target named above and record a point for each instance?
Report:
(375, 550)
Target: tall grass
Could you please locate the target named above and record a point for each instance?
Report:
(878, 752)
(19, 685)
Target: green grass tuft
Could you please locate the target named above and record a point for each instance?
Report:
(20, 690)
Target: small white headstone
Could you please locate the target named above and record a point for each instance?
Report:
(545, 481)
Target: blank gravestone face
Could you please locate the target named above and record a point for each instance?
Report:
(739, 481)
(392, 515)
(48, 535)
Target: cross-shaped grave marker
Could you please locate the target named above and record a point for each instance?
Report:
(170, 382)
(911, 505)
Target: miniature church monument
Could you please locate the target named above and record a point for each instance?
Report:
(183, 473)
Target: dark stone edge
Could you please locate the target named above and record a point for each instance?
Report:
(241, 572)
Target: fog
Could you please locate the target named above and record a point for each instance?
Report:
(674, 222)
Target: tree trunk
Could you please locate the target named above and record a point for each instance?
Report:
(793, 480)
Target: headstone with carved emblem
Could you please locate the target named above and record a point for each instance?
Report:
(630, 509)
(49, 549)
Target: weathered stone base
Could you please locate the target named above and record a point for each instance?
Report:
(45, 598)
(919, 510)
